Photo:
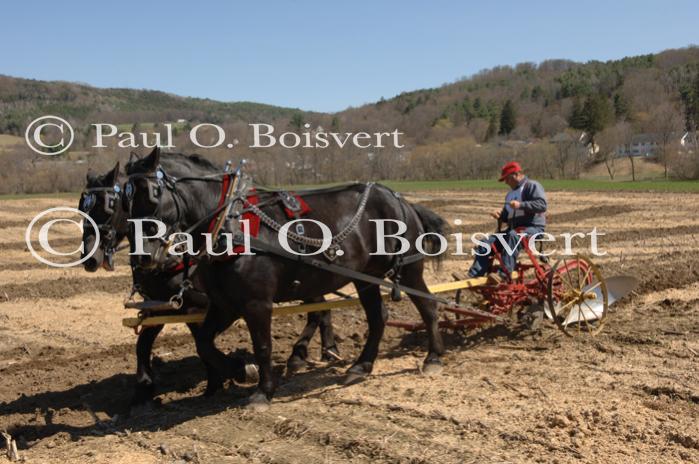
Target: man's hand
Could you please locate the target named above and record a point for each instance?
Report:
(514, 204)
(495, 214)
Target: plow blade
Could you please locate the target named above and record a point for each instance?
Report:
(617, 288)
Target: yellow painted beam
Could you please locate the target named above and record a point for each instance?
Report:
(288, 310)
(133, 322)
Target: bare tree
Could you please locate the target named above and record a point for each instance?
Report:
(666, 123)
(569, 154)
(610, 140)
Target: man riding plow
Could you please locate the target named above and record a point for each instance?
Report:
(524, 213)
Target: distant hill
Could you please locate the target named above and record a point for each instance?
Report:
(543, 97)
(22, 100)
(561, 118)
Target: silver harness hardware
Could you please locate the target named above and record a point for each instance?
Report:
(300, 238)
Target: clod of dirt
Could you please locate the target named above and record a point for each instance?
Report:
(557, 420)
(684, 440)
(672, 393)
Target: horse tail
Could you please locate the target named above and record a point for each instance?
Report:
(433, 223)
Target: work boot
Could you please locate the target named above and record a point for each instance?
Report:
(495, 278)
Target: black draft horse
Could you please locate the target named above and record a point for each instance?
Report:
(247, 286)
(102, 201)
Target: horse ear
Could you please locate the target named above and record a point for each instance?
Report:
(90, 176)
(153, 160)
(112, 175)
(133, 155)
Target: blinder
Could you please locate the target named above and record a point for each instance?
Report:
(110, 199)
(154, 190)
(154, 185)
(89, 198)
(107, 232)
(87, 202)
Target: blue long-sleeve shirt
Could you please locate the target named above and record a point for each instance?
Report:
(532, 210)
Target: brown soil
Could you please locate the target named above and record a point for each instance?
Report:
(629, 395)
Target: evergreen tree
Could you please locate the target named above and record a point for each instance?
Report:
(537, 93)
(577, 119)
(621, 106)
(297, 121)
(597, 114)
(492, 127)
(692, 105)
(508, 118)
(593, 116)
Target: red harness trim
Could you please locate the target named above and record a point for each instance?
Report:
(177, 267)
(305, 209)
(224, 191)
(253, 219)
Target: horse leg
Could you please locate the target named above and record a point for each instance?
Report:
(258, 317)
(428, 311)
(214, 380)
(330, 352)
(299, 352)
(376, 314)
(218, 365)
(145, 386)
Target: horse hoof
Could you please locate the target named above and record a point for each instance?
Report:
(356, 374)
(432, 368)
(353, 378)
(295, 364)
(258, 402)
(252, 373)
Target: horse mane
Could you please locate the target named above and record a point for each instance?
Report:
(198, 159)
(174, 160)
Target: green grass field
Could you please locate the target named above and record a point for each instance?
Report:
(575, 185)
(416, 186)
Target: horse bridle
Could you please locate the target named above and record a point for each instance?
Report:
(156, 183)
(107, 230)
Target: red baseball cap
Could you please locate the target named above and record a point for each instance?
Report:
(510, 168)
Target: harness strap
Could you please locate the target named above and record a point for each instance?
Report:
(331, 252)
(225, 188)
(264, 247)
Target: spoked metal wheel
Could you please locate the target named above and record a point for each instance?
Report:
(578, 300)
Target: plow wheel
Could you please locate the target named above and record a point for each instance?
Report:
(577, 296)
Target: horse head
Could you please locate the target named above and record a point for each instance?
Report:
(161, 198)
(101, 200)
